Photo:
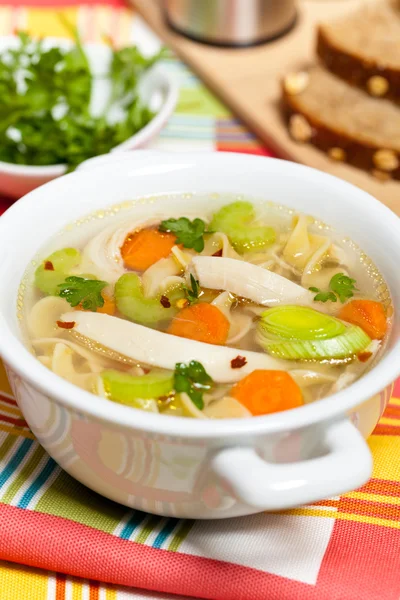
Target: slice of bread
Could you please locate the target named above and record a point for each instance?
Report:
(364, 48)
(344, 122)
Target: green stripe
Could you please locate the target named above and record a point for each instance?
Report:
(181, 535)
(199, 102)
(23, 476)
(7, 445)
(147, 529)
(69, 499)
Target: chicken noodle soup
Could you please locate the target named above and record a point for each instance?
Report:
(244, 311)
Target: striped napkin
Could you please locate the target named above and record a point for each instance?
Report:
(59, 540)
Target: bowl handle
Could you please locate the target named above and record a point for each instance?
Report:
(346, 465)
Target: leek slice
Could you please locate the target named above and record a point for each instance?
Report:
(136, 391)
(132, 303)
(62, 262)
(235, 221)
(302, 333)
(300, 323)
(353, 341)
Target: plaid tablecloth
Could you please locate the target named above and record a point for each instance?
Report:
(72, 544)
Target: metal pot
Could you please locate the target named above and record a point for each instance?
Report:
(231, 22)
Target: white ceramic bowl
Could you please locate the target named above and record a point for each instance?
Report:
(156, 88)
(182, 467)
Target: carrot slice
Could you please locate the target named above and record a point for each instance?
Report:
(264, 392)
(202, 322)
(367, 314)
(108, 307)
(142, 249)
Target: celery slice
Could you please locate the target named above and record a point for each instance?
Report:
(62, 261)
(132, 303)
(300, 323)
(235, 220)
(346, 345)
(136, 391)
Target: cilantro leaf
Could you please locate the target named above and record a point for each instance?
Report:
(189, 233)
(341, 286)
(84, 292)
(193, 293)
(193, 380)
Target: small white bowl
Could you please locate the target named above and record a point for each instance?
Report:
(157, 89)
(186, 467)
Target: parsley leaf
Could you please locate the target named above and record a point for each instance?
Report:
(192, 379)
(86, 292)
(323, 296)
(73, 75)
(341, 286)
(45, 99)
(189, 233)
(193, 293)
(127, 66)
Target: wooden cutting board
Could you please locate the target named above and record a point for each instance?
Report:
(248, 81)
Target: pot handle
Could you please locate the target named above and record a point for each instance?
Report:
(346, 465)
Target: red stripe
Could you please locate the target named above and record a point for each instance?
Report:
(369, 508)
(387, 430)
(382, 487)
(16, 422)
(60, 587)
(258, 151)
(7, 400)
(392, 412)
(94, 590)
(331, 503)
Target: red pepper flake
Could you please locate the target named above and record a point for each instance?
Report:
(66, 324)
(364, 356)
(218, 253)
(164, 301)
(238, 362)
(163, 398)
(48, 266)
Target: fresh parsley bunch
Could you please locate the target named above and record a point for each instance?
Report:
(45, 97)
